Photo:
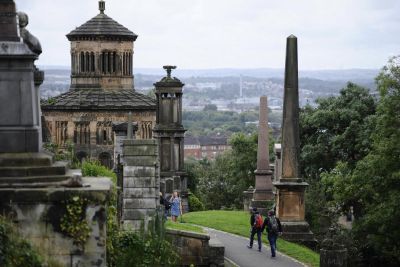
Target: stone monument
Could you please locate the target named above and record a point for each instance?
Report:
(20, 117)
(290, 206)
(263, 195)
(34, 189)
(169, 132)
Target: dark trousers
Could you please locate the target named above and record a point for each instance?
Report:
(272, 242)
(253, 232)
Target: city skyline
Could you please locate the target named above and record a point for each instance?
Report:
(203, 34)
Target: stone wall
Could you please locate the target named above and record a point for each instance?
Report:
(196, 248)
(141, 183)
(38, 212)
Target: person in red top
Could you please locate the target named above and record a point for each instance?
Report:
(256, 223)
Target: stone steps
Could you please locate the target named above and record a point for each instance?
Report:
(25, 159)
(23, 181)
(58, 168)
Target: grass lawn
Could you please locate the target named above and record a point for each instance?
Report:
(183, 226)
(238, 222)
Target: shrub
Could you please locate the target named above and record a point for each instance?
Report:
(15, 251)
(144, 248)
(195, 204)
(94, 168)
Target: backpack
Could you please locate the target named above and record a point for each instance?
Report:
(167, 204)
(273, 225)
(258, 221)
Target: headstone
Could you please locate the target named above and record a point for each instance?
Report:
(332, 253)
(263, 196)
(290, 206)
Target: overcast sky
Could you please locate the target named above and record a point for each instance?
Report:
(335, 34)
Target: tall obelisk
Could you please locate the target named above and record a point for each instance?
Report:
(290, 206)
(263, 195)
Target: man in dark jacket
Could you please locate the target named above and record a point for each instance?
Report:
(274, 228)
(256, 228)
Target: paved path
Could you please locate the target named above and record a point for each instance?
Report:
(237, 252)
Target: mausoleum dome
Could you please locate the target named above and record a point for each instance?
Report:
(101, 54)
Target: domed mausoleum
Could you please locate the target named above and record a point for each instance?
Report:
(102, 91)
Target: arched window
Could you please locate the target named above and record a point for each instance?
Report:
(109, 54)
(114, 61)
(87, 68)
(93, 69)
(82, 62)
(129, 64)
(103, 62)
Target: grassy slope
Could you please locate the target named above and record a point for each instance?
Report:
(237, 222)
(184, 226)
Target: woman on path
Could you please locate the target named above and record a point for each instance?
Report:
(176, 206)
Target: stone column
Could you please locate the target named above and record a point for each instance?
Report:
(263, 195)
(140, 183)
(290, 206)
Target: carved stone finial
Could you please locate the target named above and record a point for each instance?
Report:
(169, 69)
(102, 6)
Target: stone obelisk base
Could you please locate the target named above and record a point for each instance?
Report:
(290, 210)
(263, 196)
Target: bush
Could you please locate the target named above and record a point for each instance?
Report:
(15, 251)
(195, 204)
(94, 168)
(144, 248)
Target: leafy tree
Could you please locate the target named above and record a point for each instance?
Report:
(337, 130)
(374, 184)
(220, 183)
(210, 107)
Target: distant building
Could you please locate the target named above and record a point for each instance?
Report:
(205, 147)
(101, 93)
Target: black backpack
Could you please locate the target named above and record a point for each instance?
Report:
(273, 226)
(167, 204)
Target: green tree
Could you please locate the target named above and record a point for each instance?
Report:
(338, 130)
(374, 185)
(210, 107)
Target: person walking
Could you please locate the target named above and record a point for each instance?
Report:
(274, 229)
(176, 206)
(256, 223)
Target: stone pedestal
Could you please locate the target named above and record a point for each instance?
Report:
(247, 197)
(33, 192)
(19, 120)
(141, 183)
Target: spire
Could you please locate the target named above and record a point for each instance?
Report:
(102, 6)
(290, 124)
(263, 142)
